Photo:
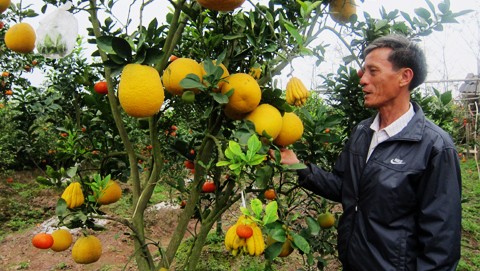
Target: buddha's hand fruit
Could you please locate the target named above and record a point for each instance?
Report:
(73, 195)
(253, 245)
(296, 93)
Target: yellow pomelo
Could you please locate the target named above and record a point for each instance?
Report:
(21, 38)
(221, 5)
(140, 91)
(4, 4)
(87, 249)
(292, 130)
(246, 92)
(62, 239)
(177, 71)
(110, 194)
(224, 75)
(342, 10)
(267, 119)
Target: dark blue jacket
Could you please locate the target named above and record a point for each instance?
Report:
(402, 208)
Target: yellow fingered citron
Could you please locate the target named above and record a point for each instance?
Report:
(246, 93)
(266, 118)
(62, 240)
(73, 195)
(221, 5)
(177, 71)
(296, 93)
(4, 4)
(342, 10)
(292, 130)
(253, 245)
(87, 249)
(21, 38)
(140, 91)
(110, 194)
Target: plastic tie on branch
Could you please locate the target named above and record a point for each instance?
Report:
(57, 33)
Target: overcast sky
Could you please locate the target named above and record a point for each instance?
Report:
(452, 53)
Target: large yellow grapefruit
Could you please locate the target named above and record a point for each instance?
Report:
(267, 119)
(246, 93)
(62, 240)
(177, 71)
(292, 130)
(140, 91)
(87, 249)
(21, 38)
(342, 10)
(110, 194)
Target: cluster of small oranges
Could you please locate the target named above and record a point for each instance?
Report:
(86, 249)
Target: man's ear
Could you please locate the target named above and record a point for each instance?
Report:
(406, 77)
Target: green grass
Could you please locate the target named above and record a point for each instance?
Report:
(470, 260)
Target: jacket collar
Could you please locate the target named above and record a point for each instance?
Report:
(414, 129)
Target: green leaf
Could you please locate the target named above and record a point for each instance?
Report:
(254, 143)
(219, 97)
(313, 226)
(301, 243)
(257, 207)
(271, 214)
(43, 180)
(295, 166)
(191, 81)
(222, 163)
(72, 171)
(61, 208)
(122, 48)
(263, 175)
(423, 13)
(245, 211)
(278, 234)
(235, 148)
(293, 31)
(257, 159)
(273, 251)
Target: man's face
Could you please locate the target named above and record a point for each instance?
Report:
(380, 82)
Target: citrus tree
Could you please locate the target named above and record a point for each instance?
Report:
(200, 87)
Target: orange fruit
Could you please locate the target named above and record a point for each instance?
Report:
(244, 231)
(140, 91)
(326, 220)
(246, 92)
(266, 118)
(209, 187)
(87, 249)
(291, 131)
(221, 5)
(8, 92)
(270, 194)
(101, 87)
(177, 71)
(20, 38)
(42, 240)
(342, 10)
(62, 240)
(110, 194)
(4, 4)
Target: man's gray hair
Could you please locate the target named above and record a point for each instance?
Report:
(405, 54)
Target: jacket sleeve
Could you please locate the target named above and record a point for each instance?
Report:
(440, 213)
(323, 183)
